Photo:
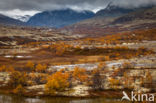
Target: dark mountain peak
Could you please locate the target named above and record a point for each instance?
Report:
(113, 10)
(67, 11)
(9, 21)
(59, 18)
(145, 14)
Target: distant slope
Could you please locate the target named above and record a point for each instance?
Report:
(145, 14)
(9, 21)
(113, 11)
(24, 18)
(143, 17)
(59, 18)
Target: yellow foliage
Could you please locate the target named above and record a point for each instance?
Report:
(60, 48)
(57, 82)
(113, 82)
(30, 65)
(41, 68)
(80, 74)
(18, 78)
(19, 90)
(3, 68)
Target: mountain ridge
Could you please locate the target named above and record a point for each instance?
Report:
(5, 20)
(59, 18)
(142, 18)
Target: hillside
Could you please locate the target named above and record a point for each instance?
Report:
(59, 18)
(113, 11)
(148, 14)
(100, 25)
(9, 21)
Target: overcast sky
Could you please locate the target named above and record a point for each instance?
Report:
(30, 7)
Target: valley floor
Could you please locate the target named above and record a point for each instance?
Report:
(78, 68)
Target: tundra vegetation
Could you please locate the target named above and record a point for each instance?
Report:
(30, 63)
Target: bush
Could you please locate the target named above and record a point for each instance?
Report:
(19, 90)
(80, 74)
(17, 78)
(30, 65)
(3, 68)
(41, 68)
(57, 82)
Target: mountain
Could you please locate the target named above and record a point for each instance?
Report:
(143, 15)
(9, 21)
(140, 18)
(113, 11)
(59, 18)
(24, 18)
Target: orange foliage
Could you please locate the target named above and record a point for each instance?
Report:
(30, 65)
(57, 82)
(59, 48)
(3, 68)
(41, 68)
(19, 90)
(18, 78)
(80, 74)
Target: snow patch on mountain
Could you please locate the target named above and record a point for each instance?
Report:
(22, 18)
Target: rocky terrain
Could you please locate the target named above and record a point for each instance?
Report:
(128, 20)
(92, 58)
(135, 73)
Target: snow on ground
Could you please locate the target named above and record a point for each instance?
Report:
(18, 56)
(87, 66)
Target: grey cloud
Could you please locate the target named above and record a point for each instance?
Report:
(57, 4)
(134, 3)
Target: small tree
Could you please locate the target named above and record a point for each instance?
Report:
(6, 69)
(96, 79)
(17, 78)
(2, 68)
(30, 65)
(128, 65)
(41, 68)
(19, 90)
(57, 82)
(80, 74)
(114, 82)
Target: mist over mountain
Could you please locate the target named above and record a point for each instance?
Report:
(9, 21)
(66, 17)
(115, 19)
(113, 10)
(24, 18)
(59, 18)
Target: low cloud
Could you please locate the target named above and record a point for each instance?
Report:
(41, 5)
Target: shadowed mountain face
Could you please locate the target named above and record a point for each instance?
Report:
(113, 11)
(9, 21)
(140, 18)
(59, 18)
(24, 18)
(143, 14)
(116, 11)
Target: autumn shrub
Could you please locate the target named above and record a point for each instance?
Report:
(80, 74)
(59, 48)
(19, 90)
(18, 78)
(57, 82)
(127, 65)
(96, 79)
(41, 68)
(114, 82)
(3, 68)
(38, 78)
(30, 65)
